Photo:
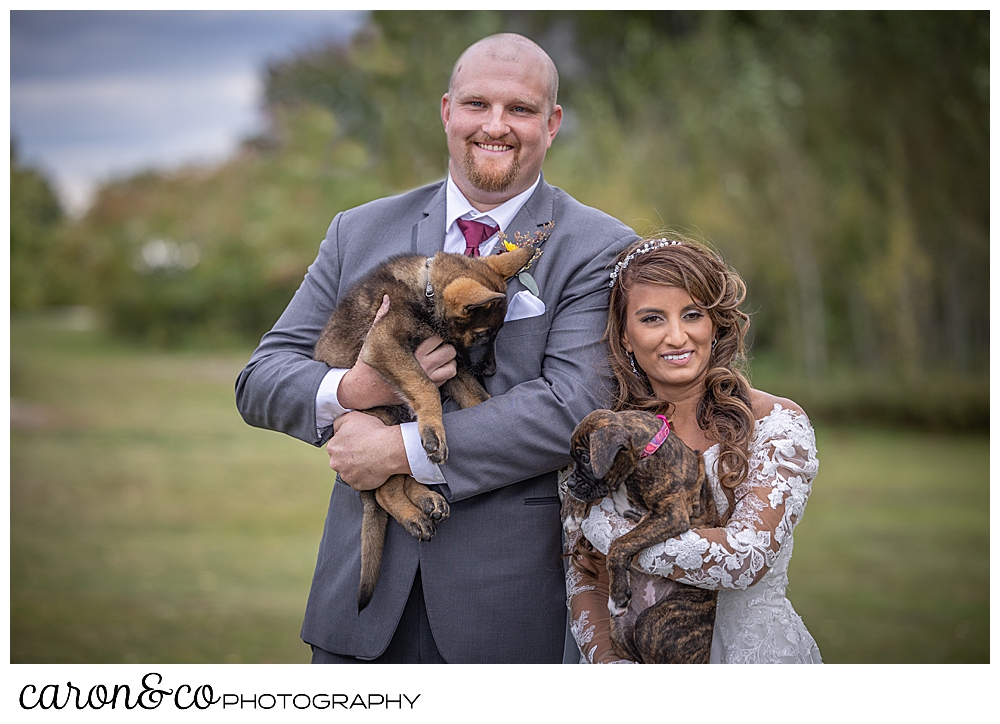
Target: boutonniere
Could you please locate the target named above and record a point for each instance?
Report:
(522, 239)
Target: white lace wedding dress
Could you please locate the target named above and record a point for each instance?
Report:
(747, 560)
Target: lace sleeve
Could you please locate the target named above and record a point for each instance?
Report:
(769, 504)
(586, 592)
(590, 621)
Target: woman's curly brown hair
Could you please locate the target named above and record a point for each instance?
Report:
(725, 412)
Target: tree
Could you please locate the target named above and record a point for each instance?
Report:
(35, 217)
(839, 160)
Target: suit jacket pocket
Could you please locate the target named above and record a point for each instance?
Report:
(546, 500)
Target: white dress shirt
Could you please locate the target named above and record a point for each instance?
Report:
(328, 408)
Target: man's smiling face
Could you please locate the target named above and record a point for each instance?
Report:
(500, 121)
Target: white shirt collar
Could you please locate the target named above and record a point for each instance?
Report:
(458, 207)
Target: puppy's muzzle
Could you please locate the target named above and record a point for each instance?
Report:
(583, 485)
(480, 359)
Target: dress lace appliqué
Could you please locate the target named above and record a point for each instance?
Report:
(747, 559)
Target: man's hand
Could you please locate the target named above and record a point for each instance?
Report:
(365, 451)
(363, 388)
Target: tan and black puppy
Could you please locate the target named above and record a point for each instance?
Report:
(460, 299)
(668, 492)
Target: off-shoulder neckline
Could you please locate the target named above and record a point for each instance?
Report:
(776, 409)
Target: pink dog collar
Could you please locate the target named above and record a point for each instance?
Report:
(653, 445)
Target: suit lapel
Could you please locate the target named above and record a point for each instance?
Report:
(428, 234)
(537, 210)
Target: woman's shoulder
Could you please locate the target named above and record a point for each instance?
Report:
(783, 431)
(764, 404)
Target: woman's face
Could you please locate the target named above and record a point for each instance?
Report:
(670, 337)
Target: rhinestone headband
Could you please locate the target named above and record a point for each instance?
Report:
(644, 249)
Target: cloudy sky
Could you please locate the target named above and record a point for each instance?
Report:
(98, 94)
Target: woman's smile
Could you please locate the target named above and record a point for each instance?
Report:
(678, 358)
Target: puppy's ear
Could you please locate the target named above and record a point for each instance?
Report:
(509, 263)
(605, 444)
(464, 294)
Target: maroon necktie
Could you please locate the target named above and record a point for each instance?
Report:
(475, 233)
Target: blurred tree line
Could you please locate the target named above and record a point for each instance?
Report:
(839, 160)
(35, 221)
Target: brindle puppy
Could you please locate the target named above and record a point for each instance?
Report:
(460, 299)
(669, 494)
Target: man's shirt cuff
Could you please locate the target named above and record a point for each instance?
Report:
(422, 469)
(328, 407)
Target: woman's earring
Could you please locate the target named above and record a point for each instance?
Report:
(714, 342)
(631, 361)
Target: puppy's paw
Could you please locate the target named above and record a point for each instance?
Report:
(619, 594)
(421, 528)
(573, 512)
(434, 444)
(431, 504)
(615, 609)
(436, 507)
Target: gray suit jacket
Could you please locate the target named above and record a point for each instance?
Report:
(492, 577)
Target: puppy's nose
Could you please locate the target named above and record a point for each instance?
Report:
(490, 368)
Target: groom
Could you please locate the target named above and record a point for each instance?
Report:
(489, 587)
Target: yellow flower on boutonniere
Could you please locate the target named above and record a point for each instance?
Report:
(523, 239)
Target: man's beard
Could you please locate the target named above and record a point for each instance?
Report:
(487, 178)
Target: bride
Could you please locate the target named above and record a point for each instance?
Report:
(675, 334)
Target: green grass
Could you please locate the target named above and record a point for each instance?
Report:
(150, 524)
(892, 556)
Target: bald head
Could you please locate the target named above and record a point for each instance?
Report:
(511, 48)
